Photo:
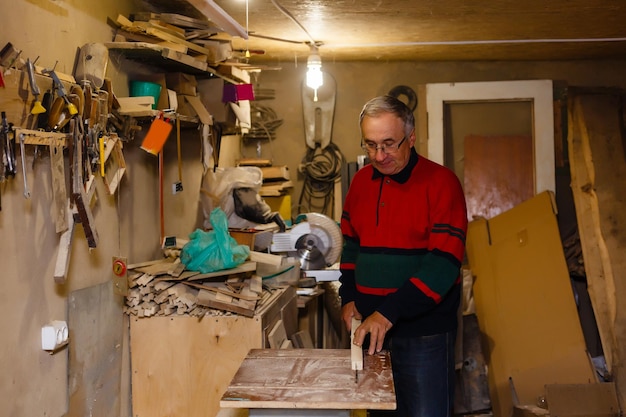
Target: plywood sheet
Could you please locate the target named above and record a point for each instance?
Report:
(311, 379)
(95, 368)
(525, 305)
(182, 365)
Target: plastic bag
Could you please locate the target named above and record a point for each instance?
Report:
(217, 191)
(213, 250)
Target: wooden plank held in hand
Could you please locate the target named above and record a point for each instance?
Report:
(356, 352)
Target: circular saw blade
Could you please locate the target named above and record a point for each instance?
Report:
(311, 250)
(320, 246)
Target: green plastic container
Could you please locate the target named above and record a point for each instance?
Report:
(145, 88)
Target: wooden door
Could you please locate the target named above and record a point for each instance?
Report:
(498, 173)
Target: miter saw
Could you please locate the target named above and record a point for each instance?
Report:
(316, 242)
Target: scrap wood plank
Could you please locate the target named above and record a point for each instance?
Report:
(266, 258)
(65, 243)
(189, 45)
(275, 173)
(184, 21)
(169, 29)
(59, 190)
(240, 269)
(277, 335)
(219, 290)
(177, 268)
(181, 277)
(598, 181)
(302, 340)
(592, 242)
(209, 299)
(158, 268)
(143, 264)
(255, 283)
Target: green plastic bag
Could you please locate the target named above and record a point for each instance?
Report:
(214, 250)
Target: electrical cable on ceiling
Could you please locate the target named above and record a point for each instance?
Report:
(320, 167)
(290, 16)
(477, 42)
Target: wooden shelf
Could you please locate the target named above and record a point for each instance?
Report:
(166, 58)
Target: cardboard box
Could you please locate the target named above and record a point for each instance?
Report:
(582, 400)
(210, 91)
(525, 304)
(182, 83)
(530, 411)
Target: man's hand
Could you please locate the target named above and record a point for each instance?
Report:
(377, 326)
(347, 312)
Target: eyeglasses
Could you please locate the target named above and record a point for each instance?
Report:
(371, 148)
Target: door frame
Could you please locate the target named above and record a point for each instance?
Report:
(538, 92)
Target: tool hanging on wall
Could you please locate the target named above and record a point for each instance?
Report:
(177, 187)
(23, 155)
(61, 90)
(62, 108)
(7, 136)
(37, 108)
(80, 197)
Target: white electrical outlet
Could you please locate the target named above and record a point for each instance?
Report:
(54, 335)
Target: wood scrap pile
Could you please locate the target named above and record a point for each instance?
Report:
(163, 288)
(201, 39)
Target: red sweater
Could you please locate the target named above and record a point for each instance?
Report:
(404, 242)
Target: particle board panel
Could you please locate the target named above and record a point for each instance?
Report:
(311, 379)
(524, 304)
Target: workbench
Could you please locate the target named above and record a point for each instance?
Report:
(310, 382)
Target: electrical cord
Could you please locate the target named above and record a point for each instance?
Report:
(321, 168)
(264, 123)
(290, 16)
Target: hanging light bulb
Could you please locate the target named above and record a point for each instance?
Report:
(314, 75)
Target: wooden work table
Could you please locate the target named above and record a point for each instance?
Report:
(310, 379)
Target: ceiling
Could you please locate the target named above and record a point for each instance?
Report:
(425, 30)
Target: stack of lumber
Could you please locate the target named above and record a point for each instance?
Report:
(201, 39)
(163, 288)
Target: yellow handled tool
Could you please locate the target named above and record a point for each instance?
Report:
(71, 107)
(101, 156)
(38, 108)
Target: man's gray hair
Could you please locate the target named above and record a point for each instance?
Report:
(389, 104)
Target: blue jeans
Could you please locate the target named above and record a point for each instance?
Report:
(423, 374)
